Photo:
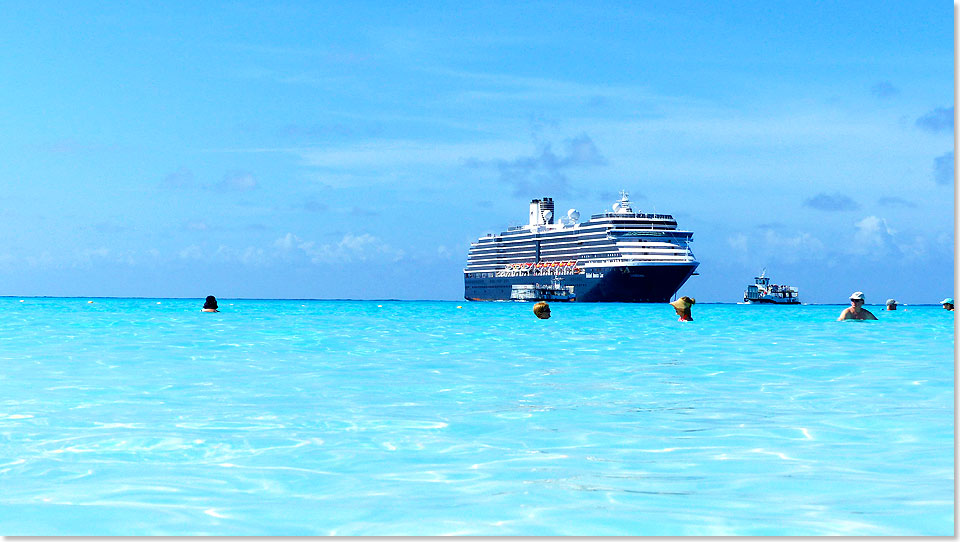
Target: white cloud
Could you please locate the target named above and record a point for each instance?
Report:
(772, 246)
(796, 248)
(192, 252)
(397, 153)
(237, 181)
(246, 256)
(873, 237)
(90, 256)
(287, 242)
(181, 178)
(738, 242)
(197, 225)
(916, 248)
(350, 249)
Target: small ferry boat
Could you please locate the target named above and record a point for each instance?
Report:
(543, 292)
(764, 292)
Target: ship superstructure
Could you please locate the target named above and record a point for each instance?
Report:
(761, 291)
(617, 255)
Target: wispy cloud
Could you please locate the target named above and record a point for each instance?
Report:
(884, 89)
(498, 88)
(251, 256)
(181, 178)
(351, 248)
(831, 202)
(236, 181)
(938, 120)
(771, 226)
(739, 243)
(72, 146)
(803, 246)
(943, 169)
(324, 54)
(873, 237)
(192, 252)
(773, 246)
(545, 171)
(93, 257)
(311, 205)
(895, 202)
(196, 225)
(110, 227)
(393, 153)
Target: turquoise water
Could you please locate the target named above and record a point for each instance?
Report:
(148, 417)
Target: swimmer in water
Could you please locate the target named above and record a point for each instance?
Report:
(947, 303)
(210, 305)
(891, 304)
(856, 311)
(542, 310)
(682, 306)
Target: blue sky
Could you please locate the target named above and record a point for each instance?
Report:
(354, 150)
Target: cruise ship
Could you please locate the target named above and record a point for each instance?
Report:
(619, 255)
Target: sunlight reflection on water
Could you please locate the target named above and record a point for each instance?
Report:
(128, 417)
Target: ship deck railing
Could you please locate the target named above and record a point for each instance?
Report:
(630, 215)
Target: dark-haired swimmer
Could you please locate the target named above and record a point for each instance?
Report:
(682, 306)
(210, 305)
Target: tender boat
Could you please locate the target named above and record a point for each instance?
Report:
(764, 292)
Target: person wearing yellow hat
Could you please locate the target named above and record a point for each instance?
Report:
(682, 306)
(856, 311)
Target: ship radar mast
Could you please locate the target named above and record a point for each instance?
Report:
(623, 206)
(762, 279)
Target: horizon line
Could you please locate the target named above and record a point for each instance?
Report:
(412, 300)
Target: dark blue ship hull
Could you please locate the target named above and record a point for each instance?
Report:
(633, 284)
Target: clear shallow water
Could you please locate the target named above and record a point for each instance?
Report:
(128, 417)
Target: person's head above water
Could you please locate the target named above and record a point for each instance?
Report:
(891, 304)
(210, 304)
(682, 306)
(856, 311)
(542, 310)
(947, 303)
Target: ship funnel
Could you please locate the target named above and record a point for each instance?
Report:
(546, 210)
(541, 211)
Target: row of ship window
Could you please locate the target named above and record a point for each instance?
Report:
(496, 261)
(491, 275)
(659, 244)
(550, 236)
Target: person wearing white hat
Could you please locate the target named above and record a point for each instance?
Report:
(891, 304)
(947, 303)
(856, 311)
